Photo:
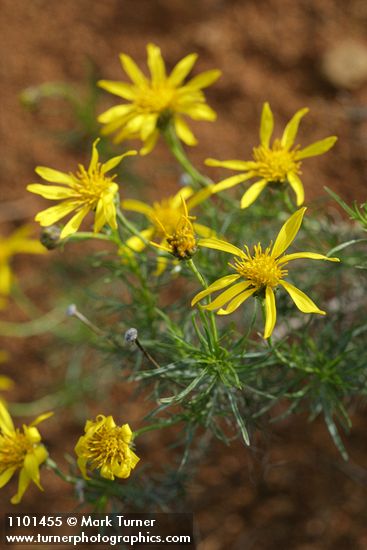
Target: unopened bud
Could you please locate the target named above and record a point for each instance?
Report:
(131, 336)
(71, 310)
(50, 237)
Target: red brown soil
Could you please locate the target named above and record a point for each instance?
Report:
(294, 491)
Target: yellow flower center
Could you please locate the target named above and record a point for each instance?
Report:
(107, 446)
(274, 164)
(166, 215)
(183, 242)
(155, 99)
(94, 185)
(260, 268)
(13, 449)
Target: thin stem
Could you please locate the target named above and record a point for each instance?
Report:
(156, 426)
(53, 466)
(179, 153)
(130, 227)
(146, 353)
(203, 282)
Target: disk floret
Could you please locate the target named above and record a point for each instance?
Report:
(275, 163)
(260, 268)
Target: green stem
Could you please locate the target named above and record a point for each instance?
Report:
(178, 152)
(53, 466)
(130, 227)
(156, 426)
(203, 282)
(85, 235)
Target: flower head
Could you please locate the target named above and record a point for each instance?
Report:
(259, 273)
(86, 190)
(20, 450)
(166, 218)
(279, 163)
(181, 242)
(106, 447)
(19, 242)
(154, 101)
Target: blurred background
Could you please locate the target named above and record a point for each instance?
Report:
(291, 489)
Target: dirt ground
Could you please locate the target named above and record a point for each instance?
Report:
(292, 490)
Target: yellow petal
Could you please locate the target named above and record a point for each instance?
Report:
(137, 244)
(5, 278)
(204, 79)
(297, 186)
(32, 434)
(270, 311)
(162, 263)
(23, 483)
(291, 129)
(203, 230)
(317, 148)
(218, 244)
(55, 176)
(200, 196)
(52, 192)
(200, 111)
(149, 144)
(95, 157)
(308, 255)
(288, 233)
(252, 193)
(231, 164)
(150, 124)
(117, 123)
(137, 206)
(156, 64)
(41, 418)
(184, 132)
(105, 213)
(182, 69)
(116, 112)
(6, 423)
(40, 452)
(126, 432)
(135, 124)
(6, 383)
(302, 301)
(32, 467)
(6, 476)
(115, 161)
(236, 302)
(132, 70)
(74, 223)
(227, 295)
(217, 285)
(121, 89)
(55, 213)
(231, 182)
(266, 125)
(183, 194)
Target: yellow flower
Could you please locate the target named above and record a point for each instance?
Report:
(82, 192)
(260, 273)
(181, 243)
(19, 242)
(106, 447)
(276, 164)
(164, 217)
(154, 101)
(20, 450)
